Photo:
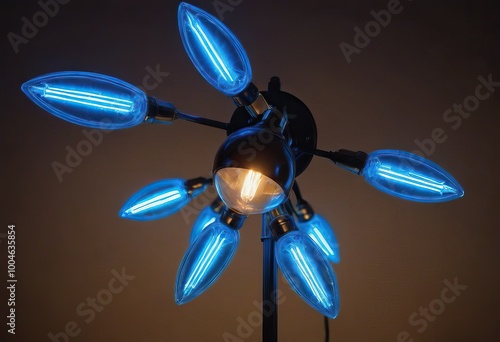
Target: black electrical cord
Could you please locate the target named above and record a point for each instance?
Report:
(202, 121)
(327, 330)
(297, 193)
(165, 112)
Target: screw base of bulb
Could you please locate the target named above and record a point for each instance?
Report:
(304, 211)
(160, 111)
(282, 225)
(247, 96)
(258, 107)
(232, 219)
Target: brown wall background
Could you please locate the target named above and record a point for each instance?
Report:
(396, 255)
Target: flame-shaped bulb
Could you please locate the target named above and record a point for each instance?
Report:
(88, 99)
(308, 272)
(410, 177)
(214, 50)
(161, 199)
(205, 260)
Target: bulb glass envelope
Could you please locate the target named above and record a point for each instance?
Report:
(214, 50)
(410, 177)
(158, 200)
(89, 99)
(308, 272)
(248, 191)
(205, 260)
(253, 179)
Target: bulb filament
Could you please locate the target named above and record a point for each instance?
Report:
(250, 185)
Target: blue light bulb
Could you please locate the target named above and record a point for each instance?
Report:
(308, 272)
(410, 177)
(208, 215)
(214, 50)
(158, 200)
(88, 99)
(322, 234)
(205, 260)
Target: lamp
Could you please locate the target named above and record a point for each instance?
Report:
(410, 177)
(254, 168)
(88, 99)
(208, 256)
(253, 171)
(398, 173)
(214, 50)
(305, 266)
(163, 198)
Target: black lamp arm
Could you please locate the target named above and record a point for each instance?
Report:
(165, 112)
(350, 160)
(196, 183)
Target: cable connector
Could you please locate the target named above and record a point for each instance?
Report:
(160, 111)
(350, 160)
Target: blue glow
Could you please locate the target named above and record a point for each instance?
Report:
(205, 260)
(214, 50)
(322, 234)
(206, 217)
(157, 200)
(308, 272)
(410, 177)
(88, 99)
(209, 49)
(305, 270)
